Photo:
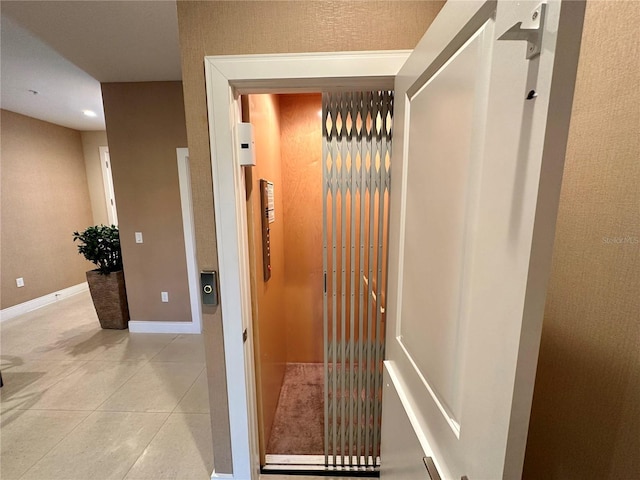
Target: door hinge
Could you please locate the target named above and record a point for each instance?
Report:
(533, 36)
(244, 336)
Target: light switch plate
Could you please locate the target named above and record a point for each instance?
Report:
(139, 237)
(164, 296)
(20, 282)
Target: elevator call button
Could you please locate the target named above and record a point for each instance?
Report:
(209, 287)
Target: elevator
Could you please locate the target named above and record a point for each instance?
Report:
(317, 210)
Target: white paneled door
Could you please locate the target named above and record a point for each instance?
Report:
(482, 112)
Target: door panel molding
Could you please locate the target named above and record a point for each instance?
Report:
(443, 298)
(521, 154)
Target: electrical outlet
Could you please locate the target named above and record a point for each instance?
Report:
(139, 237)
(20, 282)
(164, 296)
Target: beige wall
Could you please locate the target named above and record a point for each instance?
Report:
(269, 300)
(585, 413)
(302, 178)
(91, 141)
(225, 28)
(44, 199)
(585, 421)
(145, 124)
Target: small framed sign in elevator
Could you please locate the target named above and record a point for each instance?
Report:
(268, 216)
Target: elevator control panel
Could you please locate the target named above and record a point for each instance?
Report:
(268, 216)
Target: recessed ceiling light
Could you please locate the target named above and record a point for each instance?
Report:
(89, 113)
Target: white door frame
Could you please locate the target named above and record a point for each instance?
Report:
(226, 78)
(107, 183)
(188, 226)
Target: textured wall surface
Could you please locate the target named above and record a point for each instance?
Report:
(91, 142)
(269, 301)
(44, 200)
(227, 28)
(145, 125)
(585, 421)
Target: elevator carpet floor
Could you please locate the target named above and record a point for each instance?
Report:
(298, 426)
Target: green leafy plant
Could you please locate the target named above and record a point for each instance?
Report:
(101, 245)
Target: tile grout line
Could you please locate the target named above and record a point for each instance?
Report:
(92, 411)
(142, 365)
(134, 374)
(187, 391)
(89, 412)
(163, 348)
(75, 367)
(147, 445)
(68, 367)
(62, 377)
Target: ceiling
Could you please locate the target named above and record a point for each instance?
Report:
(64, 49)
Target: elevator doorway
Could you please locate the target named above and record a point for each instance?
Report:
(317, 203)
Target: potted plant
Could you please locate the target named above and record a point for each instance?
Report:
(101, 246)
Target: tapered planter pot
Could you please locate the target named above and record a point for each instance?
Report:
(109, 298)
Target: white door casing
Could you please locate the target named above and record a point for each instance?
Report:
(479, 168)
(188, 227)
(226, 78)
(107, 183)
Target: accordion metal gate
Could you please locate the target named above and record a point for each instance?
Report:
(357, 138)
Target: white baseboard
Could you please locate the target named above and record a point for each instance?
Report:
(22, 308)
(139, 326)
(222, 475)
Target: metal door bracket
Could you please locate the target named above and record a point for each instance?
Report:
(533, 36)
(432, 470)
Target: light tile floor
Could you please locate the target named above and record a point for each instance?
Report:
(84, 403)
